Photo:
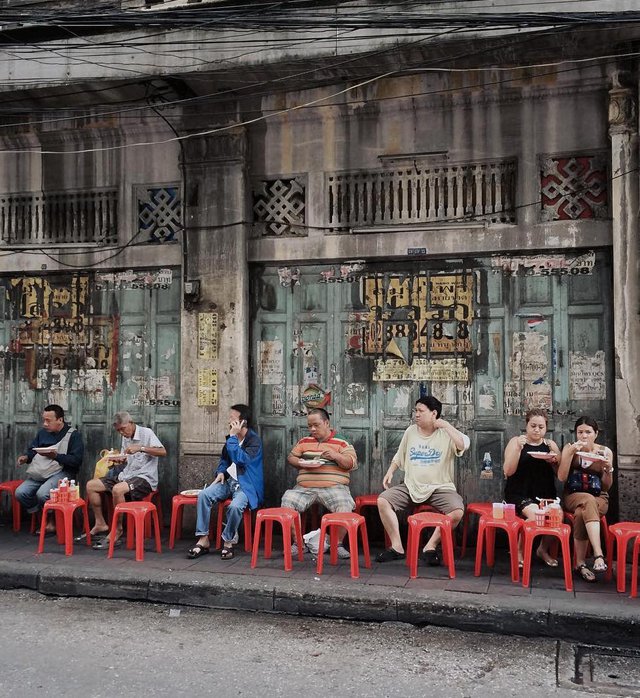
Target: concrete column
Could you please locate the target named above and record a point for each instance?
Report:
(625, 196)
(215, 238)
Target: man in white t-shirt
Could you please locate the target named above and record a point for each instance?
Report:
(427, 455)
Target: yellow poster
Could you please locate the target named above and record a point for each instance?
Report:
(208, 336)
(207, 387)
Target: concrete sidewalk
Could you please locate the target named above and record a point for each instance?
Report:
(593, 613)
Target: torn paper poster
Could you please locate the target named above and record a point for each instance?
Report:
(587, 376)
(271, 362)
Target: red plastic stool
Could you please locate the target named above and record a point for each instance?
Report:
(10, 487)
(289, 519)
(64, 512)
(154, 498)
(478, 508)
(563, 532)
(370, 500)
(175, 527)
(620, 533)
(634, 568)
(604, 532)
(246, 525)
(487, 527)
(139, 511)
(353, 523)
(314, 510)
(418, 522)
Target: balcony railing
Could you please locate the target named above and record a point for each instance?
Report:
(59, 218)
(440, 194)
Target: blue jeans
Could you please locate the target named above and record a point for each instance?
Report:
(32, 494)
(230, 489)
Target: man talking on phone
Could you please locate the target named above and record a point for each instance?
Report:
(239, 477)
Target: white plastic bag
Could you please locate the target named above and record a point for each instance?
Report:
(312, 539)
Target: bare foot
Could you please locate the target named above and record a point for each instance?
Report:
(97, 530)
(546, 558)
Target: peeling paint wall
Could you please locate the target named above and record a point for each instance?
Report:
(93, 343)
(490, 339)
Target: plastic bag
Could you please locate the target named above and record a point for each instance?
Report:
(312, 539)
(103, 465)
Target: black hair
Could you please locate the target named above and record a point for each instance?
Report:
(589, 421)
(245, 413)
(536, 412)
(431, 403)
(319, 410)
(55, 408)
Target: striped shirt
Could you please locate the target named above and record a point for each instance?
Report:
(327, 473)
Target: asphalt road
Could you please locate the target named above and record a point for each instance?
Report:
(90, 648)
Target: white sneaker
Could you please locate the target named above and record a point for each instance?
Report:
(343, 553)
(294, 550)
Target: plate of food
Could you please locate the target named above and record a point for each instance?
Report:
(542, 455)
(45, 449)
(312, 463)
(190, 493)
(590, 457)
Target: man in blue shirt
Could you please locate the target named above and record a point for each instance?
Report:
(239, 477)
(55, 453)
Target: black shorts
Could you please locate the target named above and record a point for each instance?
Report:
(139, 488)
(520, 501)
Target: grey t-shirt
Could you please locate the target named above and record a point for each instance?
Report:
(141, 464)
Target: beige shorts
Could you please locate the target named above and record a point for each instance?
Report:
(445, 501)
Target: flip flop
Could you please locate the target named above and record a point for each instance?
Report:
(46, 533)
(197, 551)
(388, 555)
(103, 544)
(94, 536)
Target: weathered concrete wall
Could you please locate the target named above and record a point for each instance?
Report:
(625, 193)
(398, 121)
(216, 208)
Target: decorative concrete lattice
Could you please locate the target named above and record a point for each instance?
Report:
(279, 205)
(573, 187)
(159, 213)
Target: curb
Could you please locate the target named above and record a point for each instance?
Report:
(515, 615)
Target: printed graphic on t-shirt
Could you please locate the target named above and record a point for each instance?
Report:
(423, 454)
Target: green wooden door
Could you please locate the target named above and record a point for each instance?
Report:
(490, 337)
(95, 344)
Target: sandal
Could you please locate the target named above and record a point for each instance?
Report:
(602, 567)
(388, 555)
(226, 553)
(585, 573)
(197, 551)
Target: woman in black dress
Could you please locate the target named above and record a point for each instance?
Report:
(532, 477)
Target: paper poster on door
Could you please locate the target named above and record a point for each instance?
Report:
(587, 376)
(271, 362)
(529, 356)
